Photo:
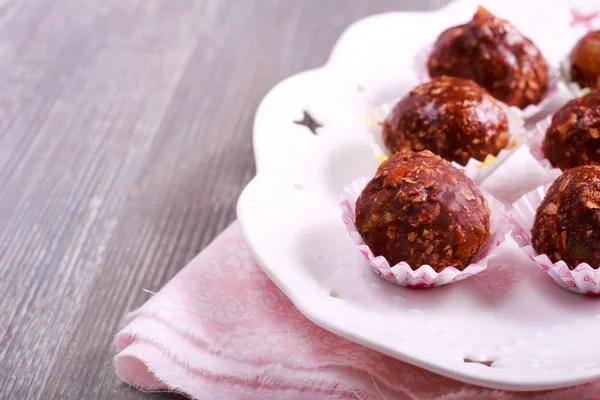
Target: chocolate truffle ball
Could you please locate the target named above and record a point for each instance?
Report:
(573, 137)
(585, 61)
(452, 117)
(420, 209)
(494, 54)
(567, 223)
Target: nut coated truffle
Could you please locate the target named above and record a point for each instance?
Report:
(452, 117)
(494, 54)
(573, 137)
(585, 61)
(420, 209)
(567, 223)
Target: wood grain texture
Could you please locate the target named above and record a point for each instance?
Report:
(125, 140)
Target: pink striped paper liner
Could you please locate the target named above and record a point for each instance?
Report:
(583, 279)
(425, 276)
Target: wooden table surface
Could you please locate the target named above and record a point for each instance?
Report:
(125, 140)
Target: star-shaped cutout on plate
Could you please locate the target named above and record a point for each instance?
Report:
(309, 122)
(583, 19)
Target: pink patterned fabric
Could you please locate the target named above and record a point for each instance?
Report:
(221, 329)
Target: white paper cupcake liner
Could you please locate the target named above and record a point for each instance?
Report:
(535, 139)
(420, 68)
(573, 87)
(474, 169)
(420, 62)
(519, 174)
(583, 279)
(425, 276)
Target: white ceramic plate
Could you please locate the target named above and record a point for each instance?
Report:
(535, 334)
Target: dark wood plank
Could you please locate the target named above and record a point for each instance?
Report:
(125, 139)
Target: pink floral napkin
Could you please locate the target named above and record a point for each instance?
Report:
(221, 329)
